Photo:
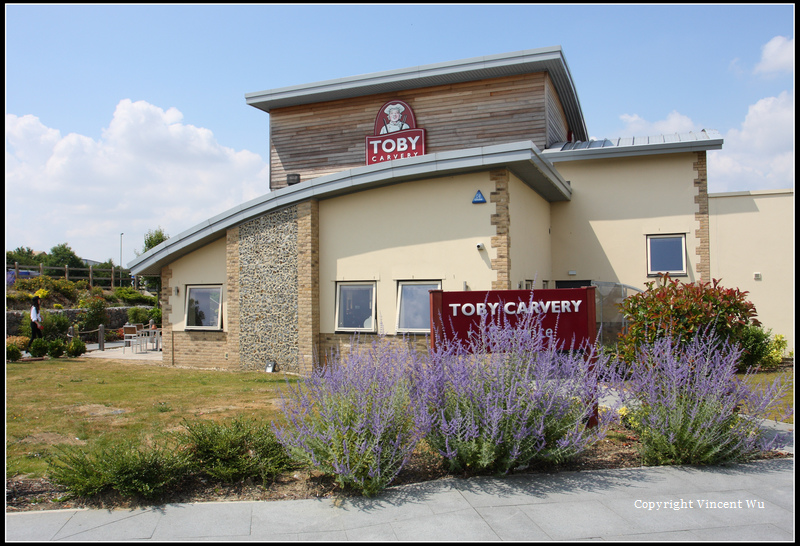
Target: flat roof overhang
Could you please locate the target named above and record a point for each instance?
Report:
(523, 159)
(707, 139)
(547, 59)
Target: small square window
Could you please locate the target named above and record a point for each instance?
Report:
(204, 307)
(666, 254)
(413, 306)
(355, 307)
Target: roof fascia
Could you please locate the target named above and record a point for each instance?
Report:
(556, 156)
(549, 59)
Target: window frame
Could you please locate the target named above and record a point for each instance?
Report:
(400, 285)
(673, 272)
(373, 303)
(216, 327)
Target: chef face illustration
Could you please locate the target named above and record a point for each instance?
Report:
(394, 114)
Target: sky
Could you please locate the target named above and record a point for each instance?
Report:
(121, 119)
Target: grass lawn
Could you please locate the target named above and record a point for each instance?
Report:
(76, 401)
(769, 377)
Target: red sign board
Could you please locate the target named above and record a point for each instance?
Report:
(567, 314)
(396, 135)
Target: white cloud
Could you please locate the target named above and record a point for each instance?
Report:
(760, 154)
(777, 56)
(675, 122)
(147, 170)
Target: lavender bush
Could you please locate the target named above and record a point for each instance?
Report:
(508, 399)
(689, 407)
(351, 419)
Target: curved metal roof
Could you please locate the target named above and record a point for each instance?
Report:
(549, 59)
(522, 158)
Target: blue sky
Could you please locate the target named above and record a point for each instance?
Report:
(124, 118)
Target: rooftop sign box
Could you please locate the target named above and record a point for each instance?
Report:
(395, 135)
(567, 313)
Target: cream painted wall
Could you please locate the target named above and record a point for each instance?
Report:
(529, 213)
(424, 230)
(753, 232)
(600, 233)
(205, 265)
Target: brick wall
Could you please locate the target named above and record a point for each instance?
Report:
(501, 220)
(307, 284)
(702, 233)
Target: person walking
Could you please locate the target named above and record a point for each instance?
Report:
(36, 320)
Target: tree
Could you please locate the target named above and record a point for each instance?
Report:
(24, 256)
(152, 239)
(62, 255)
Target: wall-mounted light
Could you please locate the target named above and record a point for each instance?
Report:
(177, 290)
(572, 272)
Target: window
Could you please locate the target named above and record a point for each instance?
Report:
(355, 306)
(666, 254)
(204, 307)
(413, 306)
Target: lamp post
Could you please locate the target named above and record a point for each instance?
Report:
(120, 261)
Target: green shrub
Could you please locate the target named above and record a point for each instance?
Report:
(21, 342)
(55, 326)
(56, 348)
(680, 310)
(755, 342)
(139, 315)
(133, 297)
(155, 315)
(230, 452)
(126, 468)
(38, 347)
(67, 289)
(92, 315)
(76, 348)
(13, 353)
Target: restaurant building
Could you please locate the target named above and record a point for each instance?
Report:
(469, 175)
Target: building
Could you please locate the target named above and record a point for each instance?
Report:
(471, 175)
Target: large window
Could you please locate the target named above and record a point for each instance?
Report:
(355, 306)
(204, 307)
(413, 305)
(666, 254)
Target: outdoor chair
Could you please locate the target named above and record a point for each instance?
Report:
(131, 337)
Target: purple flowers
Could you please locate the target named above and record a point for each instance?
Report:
(352, 418)
(510, 398)
(689, 407)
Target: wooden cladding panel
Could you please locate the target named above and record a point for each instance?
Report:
(557, 128)
(325, 138)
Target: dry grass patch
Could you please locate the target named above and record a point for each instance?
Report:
(84, 400)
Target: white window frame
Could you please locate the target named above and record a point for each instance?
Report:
(674, 272)
(211, 287)
(373, 286)
(400, 285)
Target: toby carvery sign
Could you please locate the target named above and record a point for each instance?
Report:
(396, 135)
(567, 314)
